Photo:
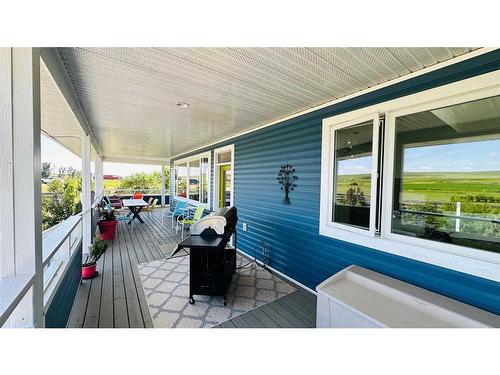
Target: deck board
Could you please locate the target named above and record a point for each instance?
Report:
(92, 313)
(119, 297)
(115, 298)
(133, 306)
(252, 320)
(106, 298)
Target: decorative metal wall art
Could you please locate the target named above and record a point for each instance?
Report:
(286, 179)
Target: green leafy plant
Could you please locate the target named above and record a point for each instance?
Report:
(63, 200)
(106, 212)
(46, 169)
(145, 181)
(96, 250)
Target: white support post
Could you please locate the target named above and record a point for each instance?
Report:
(7, 253)
(20, 182)
(99, 177)
(163, 191)
(86, 195)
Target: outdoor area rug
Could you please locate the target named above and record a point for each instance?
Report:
(166, 285)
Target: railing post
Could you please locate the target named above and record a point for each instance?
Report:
(163, 185)
(70, 241)
(86, 196)
(457, 220)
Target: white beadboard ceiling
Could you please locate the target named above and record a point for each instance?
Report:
(129, 95)
(57, 118)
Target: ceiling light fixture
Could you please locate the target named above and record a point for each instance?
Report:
(182, 105)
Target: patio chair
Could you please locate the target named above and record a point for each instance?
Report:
(115, 201)
(179, 210)
(125, 218)
(105, 201)
(187, 221)
(152, 205)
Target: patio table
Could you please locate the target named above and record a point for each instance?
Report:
(135, 206)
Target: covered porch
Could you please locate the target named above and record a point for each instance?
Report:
(266, 130)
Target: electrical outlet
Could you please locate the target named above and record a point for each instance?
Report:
(245, 227)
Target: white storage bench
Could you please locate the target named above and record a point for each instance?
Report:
(360, 298)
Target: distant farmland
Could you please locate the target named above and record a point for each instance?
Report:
(434, 186)
(441, 186)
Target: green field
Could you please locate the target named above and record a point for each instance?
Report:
(345, 181)
(111, 184)
(434, 186)
(440, 186)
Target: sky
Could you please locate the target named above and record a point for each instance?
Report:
(59, 156)
(458, 157)
(481, 156)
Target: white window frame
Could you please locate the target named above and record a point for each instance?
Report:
(217, 152)
(187, 160)
(464, 259)
(330, 127)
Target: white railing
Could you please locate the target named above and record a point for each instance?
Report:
(59, 245)
(132, 191)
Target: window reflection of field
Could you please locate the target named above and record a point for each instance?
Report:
(453, 202)
(345, 182)
(441, 186)
(434, 186)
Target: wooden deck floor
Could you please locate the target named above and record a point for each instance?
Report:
(115, 299)
(296, 310)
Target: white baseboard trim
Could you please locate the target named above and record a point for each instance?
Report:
(279, 273)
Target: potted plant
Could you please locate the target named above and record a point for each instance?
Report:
(107, 222)
(95, 252)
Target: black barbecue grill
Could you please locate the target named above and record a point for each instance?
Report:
(211, 263)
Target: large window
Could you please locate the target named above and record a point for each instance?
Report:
(430, 188)
(181, 180)
(192, 178)
(446, 184)
(205, 179)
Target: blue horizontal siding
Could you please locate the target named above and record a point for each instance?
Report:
(292, 231)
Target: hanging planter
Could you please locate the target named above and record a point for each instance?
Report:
(286, 179)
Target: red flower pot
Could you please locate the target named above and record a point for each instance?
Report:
(88, 271)
(107, 229)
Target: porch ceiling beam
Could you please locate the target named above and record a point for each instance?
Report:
(55, 65)
(136, 161)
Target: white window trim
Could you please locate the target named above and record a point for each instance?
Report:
(326, 214)
(468, 260)
(217, 151)
(187, 160)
